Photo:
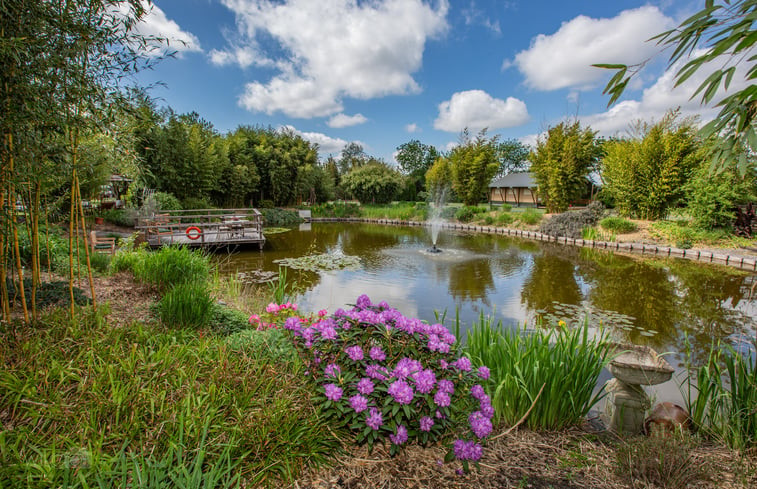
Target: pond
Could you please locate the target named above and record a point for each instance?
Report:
(655, 302)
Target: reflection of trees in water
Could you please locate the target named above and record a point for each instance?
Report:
(369, 240)
(551, 280)
(471, 280)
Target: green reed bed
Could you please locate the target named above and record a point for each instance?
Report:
(187, 305)
(84, 404)
(563, 365)
(168, 266)
(722, 396)
(405, 211)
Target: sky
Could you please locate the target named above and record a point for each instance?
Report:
(384, 72)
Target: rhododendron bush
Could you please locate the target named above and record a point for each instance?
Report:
(385, 376)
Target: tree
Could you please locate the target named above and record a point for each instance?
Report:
(352, 157)
(512, 156)
(562, 162)
(415, 159)
(715, 39)
(439, 180)
(374, 183)
(473, 164)
(646, 175)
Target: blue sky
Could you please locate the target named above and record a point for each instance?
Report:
(383, 72)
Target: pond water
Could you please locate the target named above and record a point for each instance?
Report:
(649, 301)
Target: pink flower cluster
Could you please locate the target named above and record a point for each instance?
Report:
(274, 315)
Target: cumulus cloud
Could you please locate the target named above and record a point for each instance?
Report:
(326, 144)
(662, 96)
(244, 56)
(475, 16)
(328, 50)
(564, 59)
(155, 24)
(344, 120)
(411, 128)
(476, 109)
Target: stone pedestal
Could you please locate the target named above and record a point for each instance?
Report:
(625, 407)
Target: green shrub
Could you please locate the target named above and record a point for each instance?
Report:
(530, 216)
(525, 362)
(187, 305)
(266, 204)
(336, 209)
(618, 225)
(166, 201)
(448, 212)
(505, 218)
(275, 217)
(505, 208)
(572, 223)
(172, 265)
(467, 213)
(712, 198)
(120, 217)
(196, 203)
(48, 293)
(488, 220)
(227, 320)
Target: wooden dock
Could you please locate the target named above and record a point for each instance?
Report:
(203, 228)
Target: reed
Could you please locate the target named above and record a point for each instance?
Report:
(172, 265)
(563, 365)
(187, 305)
(721, 396)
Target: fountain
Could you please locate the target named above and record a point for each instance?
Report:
(439, 196)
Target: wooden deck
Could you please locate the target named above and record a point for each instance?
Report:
(208, 227)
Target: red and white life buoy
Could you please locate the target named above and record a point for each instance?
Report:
(193, 232)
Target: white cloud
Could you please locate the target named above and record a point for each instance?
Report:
(344, 120)
(529, 140)
(564, 59)
(451, 145)
(411, 128)
(476, 109)
(663, 96)
(244, 56)
(326, 144)
(155, 24)
(474, 15)
(331, 49)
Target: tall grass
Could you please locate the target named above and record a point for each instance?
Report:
(722, 396)
(187, 305)
(111, 402)
(563, 364)
(404, 211)
(168, 266)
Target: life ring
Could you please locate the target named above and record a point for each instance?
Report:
(193, 232)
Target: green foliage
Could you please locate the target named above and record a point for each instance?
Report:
(715, 39)
(275, 217)
(336, 209)
(120, 217)
(47, 293)
(524, 363)
(198, 403)
(415, 159)
(562, 162)
(227, 320)
(505, 207)
(473, 164)
(169, 266)
(468, 213)
(165, 201)
(647, 175)
(660, 461)
(725, 403)
(681, 232)
(530, 216)
(196, 203)
(439, 180)
(512, 156)
(618, 225)
(373, 183)
(187, 305)
(504, 218)
(712, 197)
(405, 211)
(572, 223)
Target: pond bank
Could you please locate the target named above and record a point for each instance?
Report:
(741, 260)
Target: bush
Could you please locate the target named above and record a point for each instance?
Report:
(572, 223)
(196, 203)
(712, 198)
(523, 363)
(488, 220)
(187, 305)
(448, 212)
(618, 225)
(120, 217)
(505, 218)
(383, 375)
(336, 209)
(467, 213)
(227, 320)
(530, 216)
(373, 183)
(275, 217)
(266, 204)
(48, 293)
(166, 201)
(171, 265)
(505, 208)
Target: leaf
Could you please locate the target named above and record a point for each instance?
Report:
(449, 457)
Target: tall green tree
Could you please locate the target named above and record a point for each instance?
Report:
(439, 180)
(353, 155)
(716, 40)
(473, 164)
(373, 183)
(512, 156)
(647, 174)
(415, 159)
(561, 163)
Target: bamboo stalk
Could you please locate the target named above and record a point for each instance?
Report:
(14, 229)
(86, 246)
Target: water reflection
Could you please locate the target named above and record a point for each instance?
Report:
(516, 280)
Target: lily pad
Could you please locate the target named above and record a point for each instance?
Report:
(321, 263)
(274, 230)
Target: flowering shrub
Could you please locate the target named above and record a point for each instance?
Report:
(387, 376)
(276, 314)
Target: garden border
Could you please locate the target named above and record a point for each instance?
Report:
(735, 261)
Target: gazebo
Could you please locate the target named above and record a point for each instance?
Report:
(515, 189)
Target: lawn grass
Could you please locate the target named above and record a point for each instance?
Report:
(85, 404)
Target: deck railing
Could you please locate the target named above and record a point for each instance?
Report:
(202, 226)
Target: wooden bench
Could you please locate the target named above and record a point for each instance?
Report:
(101, 244)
